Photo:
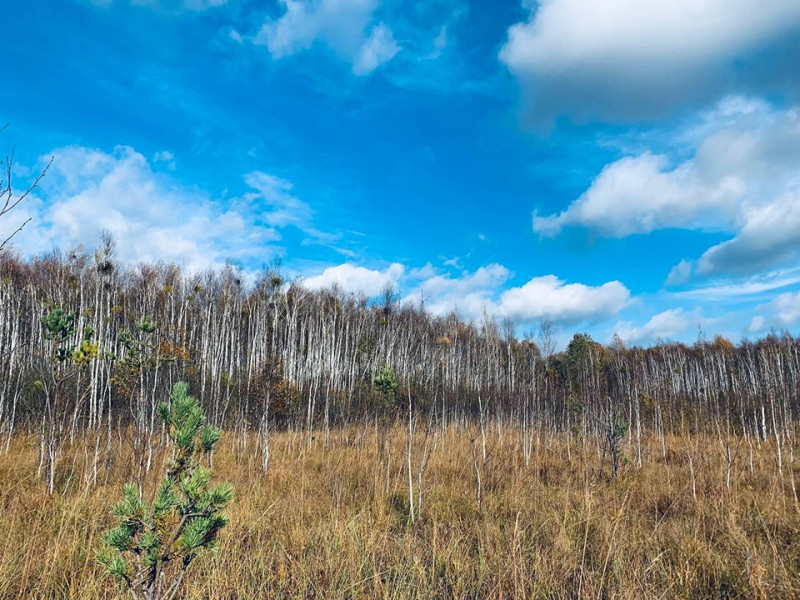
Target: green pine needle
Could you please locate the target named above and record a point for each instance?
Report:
(119, 538)
(183, 507)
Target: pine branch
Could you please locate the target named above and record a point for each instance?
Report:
(183, 494)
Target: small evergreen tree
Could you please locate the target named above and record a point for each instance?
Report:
(385, 384)
(63, 389)
(151, 549)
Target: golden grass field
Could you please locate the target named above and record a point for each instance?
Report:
(331, 521)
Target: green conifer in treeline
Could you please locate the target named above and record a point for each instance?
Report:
(152, 547)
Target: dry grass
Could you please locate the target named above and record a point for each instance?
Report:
(332, 522)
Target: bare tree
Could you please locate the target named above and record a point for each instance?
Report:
(547, 338)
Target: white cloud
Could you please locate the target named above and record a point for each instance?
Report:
(663, 326)
(782, 312)
(152, 217)
(274, 192)
(470, 294)
(355, 279)
(166, 158)
(481, 291)
(340, 25)
(163, 156)
(550, 297)
(626, 58)
(757, 324)
(742, 180)
(641, 194)
(424, 272)
(770, 236)
(273, 204)
(379, 48)
(752, 286)
(454, 262)
(680, 273)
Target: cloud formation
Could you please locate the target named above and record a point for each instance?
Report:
(354, 279)
(152, 217)
(274, 192)
(548, 297)
(769, 236)
(626, 59)
(640, 194)
(742, 180)
(379, 48)
(341, 25)
(483, 291)
(470, 294)
(782, 312)
(743, 288)
(663, 326)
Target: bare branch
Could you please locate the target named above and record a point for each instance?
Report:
(16, 231)
(7, 192)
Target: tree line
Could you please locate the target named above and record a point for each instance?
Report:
(88, 345)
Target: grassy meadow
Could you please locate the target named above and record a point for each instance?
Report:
(331, 519)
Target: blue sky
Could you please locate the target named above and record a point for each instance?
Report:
(616, 166)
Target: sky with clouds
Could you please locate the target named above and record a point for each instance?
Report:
(626, 167)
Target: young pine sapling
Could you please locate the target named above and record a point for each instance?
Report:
(152, 547)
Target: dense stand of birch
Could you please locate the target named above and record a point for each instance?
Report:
(274, 354)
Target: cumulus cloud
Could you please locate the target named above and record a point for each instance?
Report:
(473, 294)
(640, 194)
(341, 25)
(338, 23)
(633, 58)
(742, 180)
(470, 294)
(769, 236)
(483, 291)
(152, 217)
(355, 279)
(550, 297)
(663, 326)
(782, 312)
